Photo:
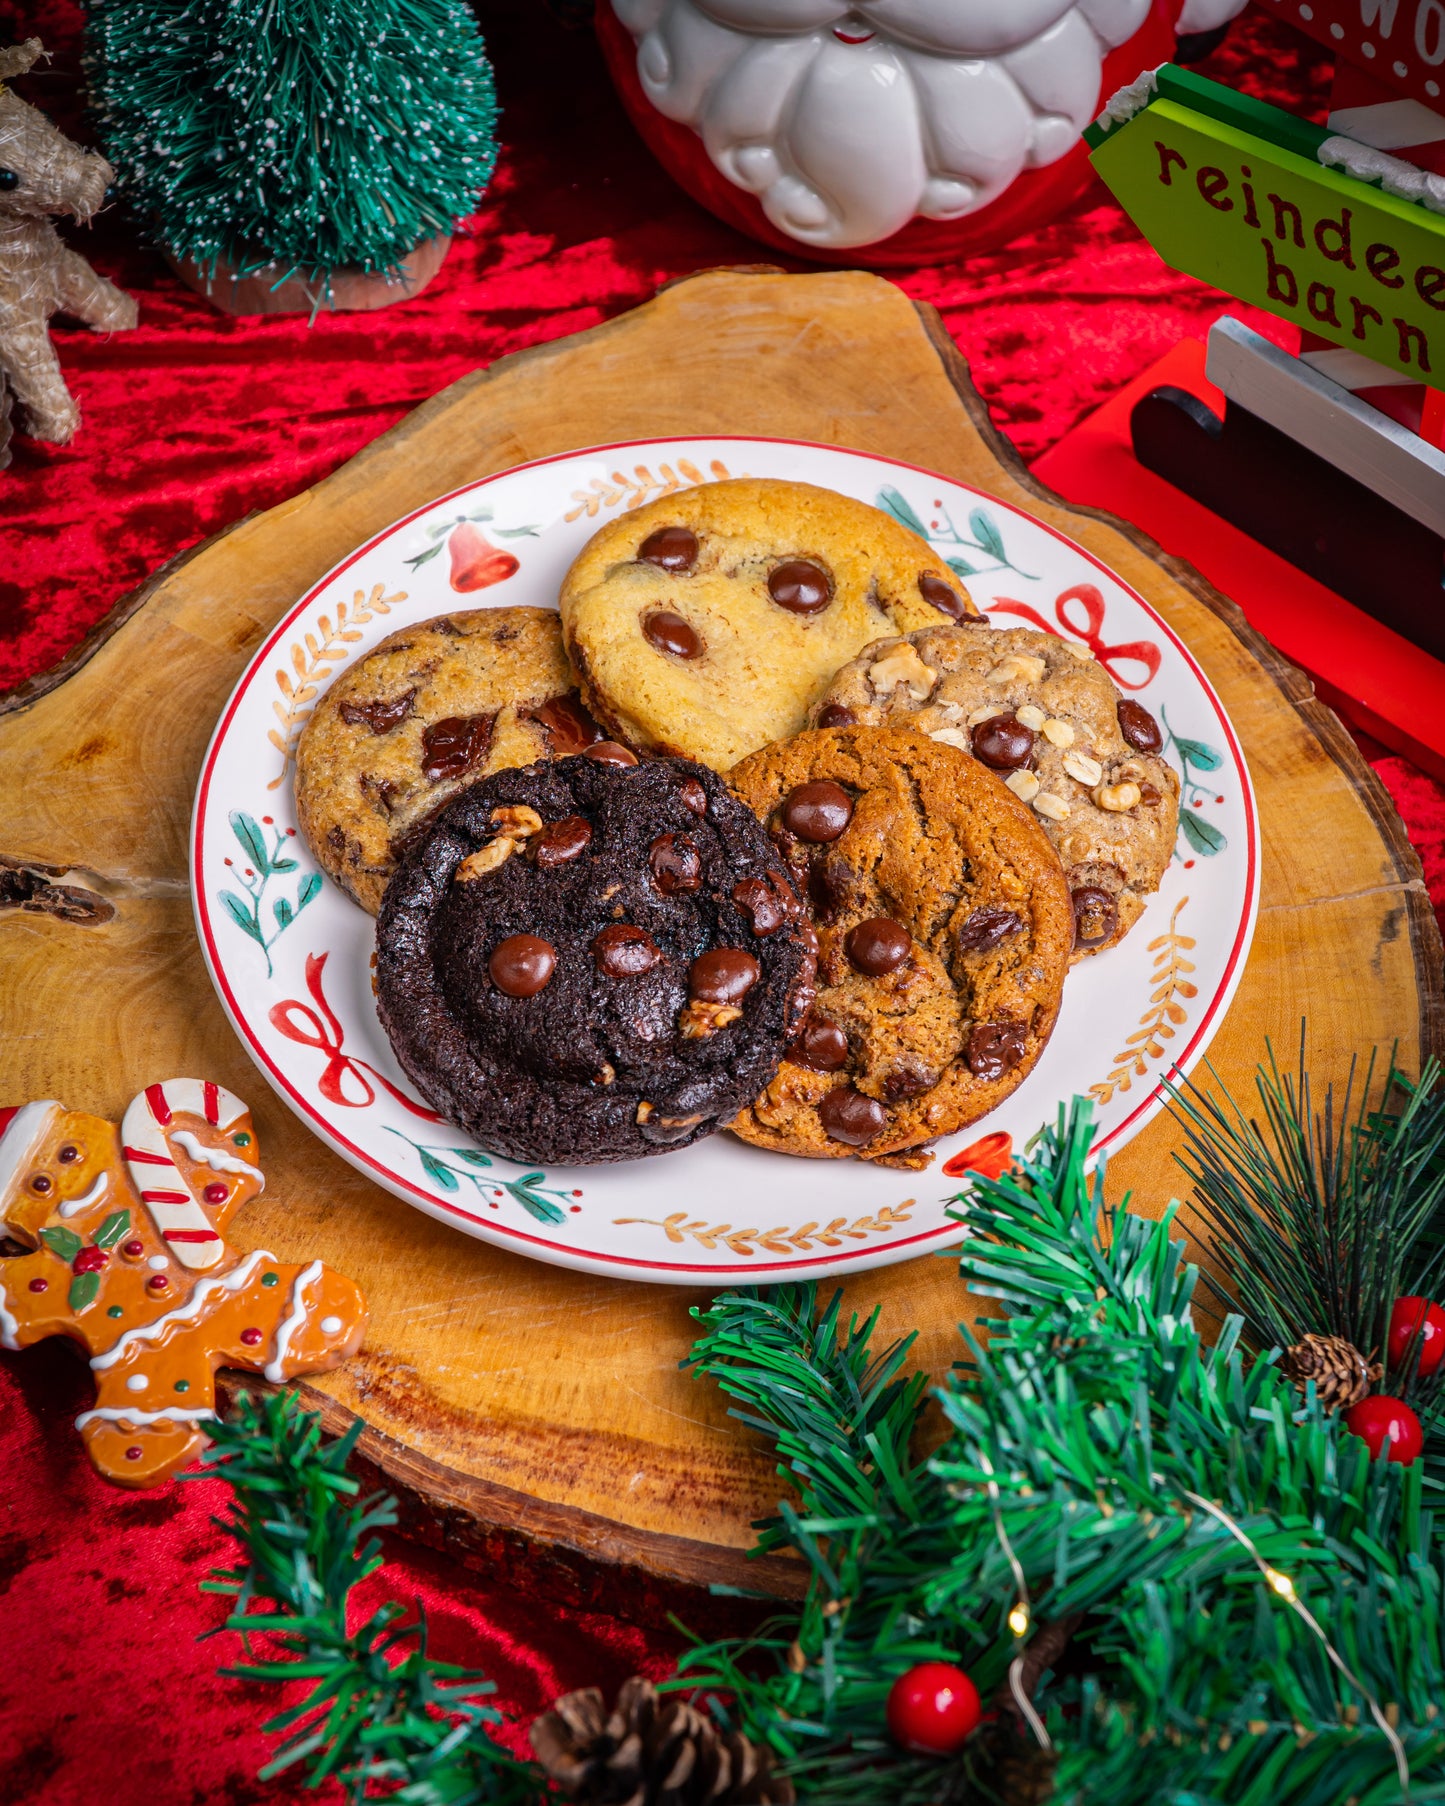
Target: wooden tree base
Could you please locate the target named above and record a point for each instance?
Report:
(531, 1415)
(272, 291)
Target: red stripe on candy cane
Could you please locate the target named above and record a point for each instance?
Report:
(146, 1158)
(160, 1109)
(190, 1235)
(166, 1197)
(211, 1103)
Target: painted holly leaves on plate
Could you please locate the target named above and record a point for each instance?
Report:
(266, 859)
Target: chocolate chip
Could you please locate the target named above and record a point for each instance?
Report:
(725, 975)
(693, 796)
(522, 965)
(910, 1080)
(832, 886)
(452, 747)
(672, 634)
(848, 1116)
(676, 864)
(1139, 727)
(382, 792)
(835, 715)
(1003, 743)
(608, 752)
(381, 717)
(1096, 916)
(821, 1046)
(818, 812)
(995, 1048)
(942, 596)
(567, 725)
(761, 904)
(622, 951)
(564, 840)
(988, 928)
(800, 586)
(1149, 796)
(878, 945)
(670, 548)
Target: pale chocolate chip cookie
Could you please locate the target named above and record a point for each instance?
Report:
(944, 929)
(708, 623)
(1047, 720)
(429, 710)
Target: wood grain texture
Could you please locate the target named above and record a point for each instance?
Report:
(520, 1407)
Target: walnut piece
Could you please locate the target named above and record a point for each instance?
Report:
(1117, 797)
(902, 668)
(486, 859)
(1018, 667)
(699, 1019)
(518, 821)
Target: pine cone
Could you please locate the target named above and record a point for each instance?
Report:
(1341, 1374)
(651, 1752)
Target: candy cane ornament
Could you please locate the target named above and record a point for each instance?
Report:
(145, 1144)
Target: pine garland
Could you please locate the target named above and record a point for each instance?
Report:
(313, 135)
(381, 1713)
(1178, 1580)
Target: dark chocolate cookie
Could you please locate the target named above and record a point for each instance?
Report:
(593, 959)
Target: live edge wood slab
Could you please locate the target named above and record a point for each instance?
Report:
(529, 1417)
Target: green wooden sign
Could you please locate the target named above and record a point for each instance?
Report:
(1231, 191)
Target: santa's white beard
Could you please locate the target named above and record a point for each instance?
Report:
(847, 121)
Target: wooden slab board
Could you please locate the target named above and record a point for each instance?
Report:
(528, 1414)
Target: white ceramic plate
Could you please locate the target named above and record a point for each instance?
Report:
(289, 953)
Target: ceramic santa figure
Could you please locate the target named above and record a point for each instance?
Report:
(883, 131)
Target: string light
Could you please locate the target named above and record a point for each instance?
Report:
(1283, 1587)
(1019, 1617)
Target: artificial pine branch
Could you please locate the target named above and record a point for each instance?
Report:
(382, 1715)
(1322, 1217)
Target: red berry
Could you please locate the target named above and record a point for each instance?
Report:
(217, 1193)
(1379, 1421)
(933, 1709)
(1405, 1320)
(134, 1249)
(90, 1260)
(40, 1285)
(157, 1282)
(250, 1337)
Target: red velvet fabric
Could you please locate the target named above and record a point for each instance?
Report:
(191, 422)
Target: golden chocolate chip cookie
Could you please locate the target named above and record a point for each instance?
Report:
(428, 710)
(944, 932)
(707, 624)
(1043, 715)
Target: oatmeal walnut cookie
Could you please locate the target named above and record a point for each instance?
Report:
(944, 929)
(1047, 720)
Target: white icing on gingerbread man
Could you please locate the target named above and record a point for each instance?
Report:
(127, 1228)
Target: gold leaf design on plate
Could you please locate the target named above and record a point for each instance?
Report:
(1165, 1013)
(748, 1242)
(314, 658)
(632, 491)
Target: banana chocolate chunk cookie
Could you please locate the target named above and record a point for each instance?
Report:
(1045, 717)
(944, 929)
(707, 623)
(593, 959)
(431, 708)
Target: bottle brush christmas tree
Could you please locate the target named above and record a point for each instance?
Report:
(296, 137)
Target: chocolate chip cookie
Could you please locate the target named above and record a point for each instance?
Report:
(706, 624)
(431, 708)
(944, 929)
(593, 959)
(1043, 715)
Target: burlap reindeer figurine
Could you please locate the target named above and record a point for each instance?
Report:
(130, 1259)
(42, 173)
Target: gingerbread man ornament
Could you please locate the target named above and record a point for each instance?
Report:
(128, 1230)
